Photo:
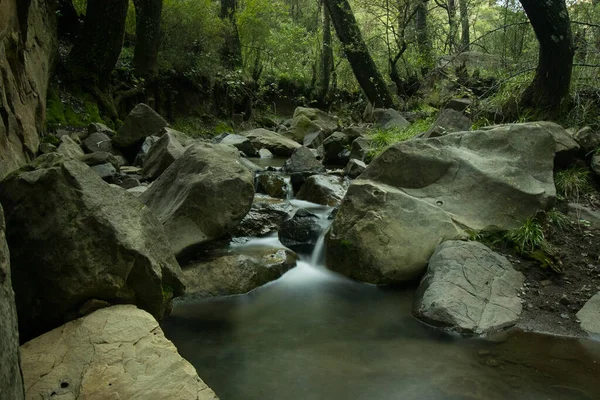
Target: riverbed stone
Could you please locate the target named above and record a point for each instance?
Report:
(98, 141)
(327, 190)
(448, 121)
(468, 288)
(202, 196)
(589, 316)
(237, 273)
(335, 149)
(355, 168)
(265, 216)
(420, 193)
(277, 144)
(388, 118)
(273, 184)
(588, 138)
(301, 232)
(118, 352)
(91, 241)
(69, 147)
(141, 122)
(359, 149)
(241, 143)
(161, 155)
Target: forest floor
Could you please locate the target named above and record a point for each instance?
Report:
(551, 300)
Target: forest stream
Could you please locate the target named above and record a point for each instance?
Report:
(314, 334)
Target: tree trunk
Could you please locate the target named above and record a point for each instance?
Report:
(147, 31)
(326, 57)
(550, 21)
(465, 38)
(99, 44)
(452, 26)
(363, 66)
(68, 20)
(232, 50)
(423, 39)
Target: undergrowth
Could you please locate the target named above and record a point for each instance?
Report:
(381, 139)
(572, 183)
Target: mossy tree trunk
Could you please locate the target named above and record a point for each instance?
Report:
(232, 50)
(357, 53)
(423, 38)
(98, 45)
(326, 57)
(465, 37)
(147, 32)
(550, 21)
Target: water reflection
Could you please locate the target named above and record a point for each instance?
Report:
(316, 335)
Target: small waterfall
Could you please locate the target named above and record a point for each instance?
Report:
(289, 190)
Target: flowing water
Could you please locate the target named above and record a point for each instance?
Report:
(316, 335)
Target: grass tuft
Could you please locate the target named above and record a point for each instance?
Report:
(572, 183)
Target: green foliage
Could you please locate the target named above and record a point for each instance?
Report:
(528, 237)
(572, 183)
(223, 127)
(381, 139)
(557, 219)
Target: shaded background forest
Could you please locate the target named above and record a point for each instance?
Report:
(219, 63)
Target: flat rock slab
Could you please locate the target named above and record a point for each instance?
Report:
(470, 289)
(589, 316)
(118, 352)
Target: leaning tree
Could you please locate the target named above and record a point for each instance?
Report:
(357, 53)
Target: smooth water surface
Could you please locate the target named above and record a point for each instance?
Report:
(315, 335)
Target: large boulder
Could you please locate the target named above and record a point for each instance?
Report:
(69, 147)
(265, 216)
(28, 44)
(161, 155)
(589, 316)
(202, 196)
(11, 380)
(274, 142)
(566, 147)
(91, 241)
(98, 141)
(309, 121)
(388, 118)
(141, 122)
(470, 289)
(237, 273)
(327, 190)
(301, 165)
(118, 352)
(420, 193)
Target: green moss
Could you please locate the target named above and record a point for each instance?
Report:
(51, 139)
(167, 292)
(381, 139)
(223, 127)
(71, 109)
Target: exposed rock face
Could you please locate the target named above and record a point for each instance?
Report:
(266, 216)
(27, 47)
(420, 193)
(588, 316)
(323, 189)
(237, 273)
(141, 122)
(272, 141)
(470, 289)
(91, 241)
(162, 154)
(11, 380)
(202, 196)
(118, 352)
